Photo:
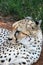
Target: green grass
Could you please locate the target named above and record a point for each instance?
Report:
(22, 8)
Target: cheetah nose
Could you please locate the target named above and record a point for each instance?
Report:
(10, 39)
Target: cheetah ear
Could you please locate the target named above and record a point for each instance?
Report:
(38, 22)
(29, 18)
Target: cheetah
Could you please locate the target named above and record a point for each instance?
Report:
(22, 45)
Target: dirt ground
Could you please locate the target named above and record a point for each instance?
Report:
(8, 21)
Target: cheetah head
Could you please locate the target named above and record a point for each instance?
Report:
(25, 27)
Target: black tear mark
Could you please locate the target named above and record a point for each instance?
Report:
(17, 32)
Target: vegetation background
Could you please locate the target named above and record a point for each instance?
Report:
(22, 8)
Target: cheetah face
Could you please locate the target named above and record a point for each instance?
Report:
(25, 27)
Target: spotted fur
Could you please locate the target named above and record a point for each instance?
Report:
(21, 46)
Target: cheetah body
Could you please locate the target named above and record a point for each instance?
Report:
(26, 52)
